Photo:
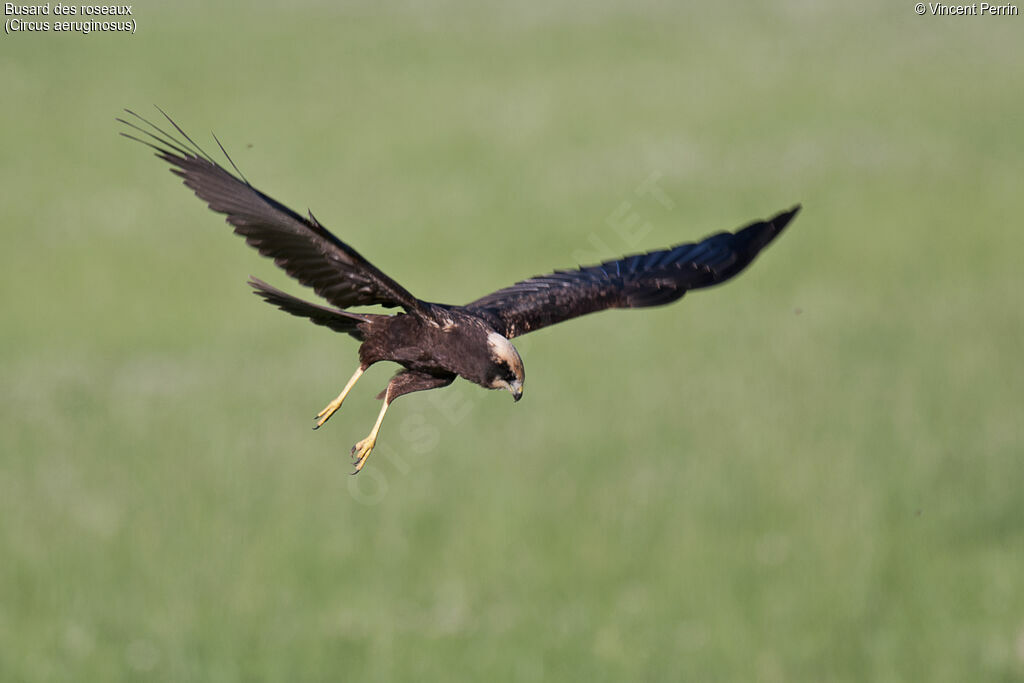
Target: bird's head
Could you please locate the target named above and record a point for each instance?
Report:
(506, 369)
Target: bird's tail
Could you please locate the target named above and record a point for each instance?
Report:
(336, 319)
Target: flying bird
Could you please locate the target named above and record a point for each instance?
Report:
(436, 343)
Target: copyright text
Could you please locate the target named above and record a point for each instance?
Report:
(976, 9)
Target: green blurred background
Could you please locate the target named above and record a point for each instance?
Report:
(811, 474)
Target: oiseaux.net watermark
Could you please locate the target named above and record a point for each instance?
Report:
(975, 9)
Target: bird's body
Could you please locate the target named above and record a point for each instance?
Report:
(446, 345)
(441, 341)
(436, 343)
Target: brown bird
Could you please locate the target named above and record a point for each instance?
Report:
(435, 343)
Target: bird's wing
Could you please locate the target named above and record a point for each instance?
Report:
(651, 279)
(302, 247)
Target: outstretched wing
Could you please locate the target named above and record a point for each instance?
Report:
(651, 279)
(302, 247)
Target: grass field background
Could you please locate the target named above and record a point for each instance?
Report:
(811, 474)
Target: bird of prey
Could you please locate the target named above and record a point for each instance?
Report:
(435, 343)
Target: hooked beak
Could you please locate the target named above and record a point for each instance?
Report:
(517, 391)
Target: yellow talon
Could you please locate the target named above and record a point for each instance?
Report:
(360, 452)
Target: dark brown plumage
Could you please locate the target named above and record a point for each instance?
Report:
(435, 343)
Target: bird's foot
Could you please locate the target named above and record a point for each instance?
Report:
(361, 451)
(332, 407)
(325, 414)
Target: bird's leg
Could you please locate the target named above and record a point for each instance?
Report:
(332, 407)
(361, 451)
(403, 383)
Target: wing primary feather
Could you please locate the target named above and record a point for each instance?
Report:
(186, 136)
(168, 139)
(167, 143)
(232, 162)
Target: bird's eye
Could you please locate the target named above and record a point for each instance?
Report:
(504, 371)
